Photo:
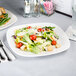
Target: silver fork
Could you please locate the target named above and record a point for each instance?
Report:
(1, 45)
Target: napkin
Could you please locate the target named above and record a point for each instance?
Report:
(11, 56)
(71, 33)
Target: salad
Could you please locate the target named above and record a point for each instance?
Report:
(36, 39)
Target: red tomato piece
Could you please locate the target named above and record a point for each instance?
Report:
(29, 27)
(40, 29)
(53, 42)
(43, 30)
(18, 45)
(33, 37)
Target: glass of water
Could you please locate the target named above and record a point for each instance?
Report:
(72, 29)
(74, 15)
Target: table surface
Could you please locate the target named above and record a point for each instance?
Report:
(63, 64)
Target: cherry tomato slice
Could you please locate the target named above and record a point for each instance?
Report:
(53, 42)
(43, 30)
(29, 27)
(18, 45)
(40, 29)
(33, 37)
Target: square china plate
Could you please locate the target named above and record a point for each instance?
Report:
(63, 40)
(10, 22)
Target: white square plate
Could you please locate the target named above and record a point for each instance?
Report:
(63, 40)
(10, 22)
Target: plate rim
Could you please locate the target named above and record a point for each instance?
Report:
(38, 55)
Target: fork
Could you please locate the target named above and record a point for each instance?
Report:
(1, 45)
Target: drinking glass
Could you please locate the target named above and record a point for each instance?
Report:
(36, 8)
(31, 8)
(74, 15)
(71, 31)
(74, 20)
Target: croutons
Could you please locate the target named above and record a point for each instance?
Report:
(23, 47)
(50, 48)
(58, 45)
(38, 39)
